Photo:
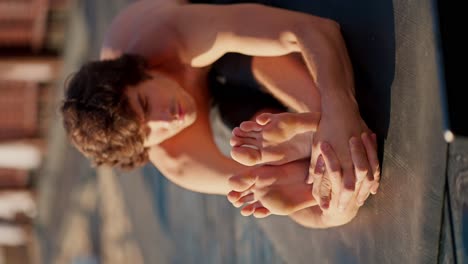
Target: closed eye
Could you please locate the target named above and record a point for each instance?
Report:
(143, 105)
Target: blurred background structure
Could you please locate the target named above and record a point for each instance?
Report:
(31, 41)
(56, 208)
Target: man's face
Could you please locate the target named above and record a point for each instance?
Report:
(163, 106)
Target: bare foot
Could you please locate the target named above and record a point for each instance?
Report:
(274, 139)
(266, 189)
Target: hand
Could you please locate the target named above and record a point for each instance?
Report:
(339, 123)
(363, 154)
(328, 184)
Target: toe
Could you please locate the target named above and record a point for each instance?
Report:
(243, 134)
(250, 208)
(241, 182)
(246, 155)
(264, 118)
(261, 212)
(238, 141)
(234, 196)
(245, 199)
(249, 126)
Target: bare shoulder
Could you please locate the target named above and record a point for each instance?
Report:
(131, 30)
(208, 31)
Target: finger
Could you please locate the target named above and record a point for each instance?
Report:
(250, 208)
(316, 166)
(375, 187)
(325, 192)
(264, 118)
(364, 176)
(371, 151)
(347, 192)
(333, 168)
(361, 164)
(321, 188)
(364, 192)
(261, 212)
(316, 185)
(249, 126)
(370, 145)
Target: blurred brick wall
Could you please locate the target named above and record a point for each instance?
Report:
(23, 23)
(26, 82)
(18, 109)
(13, 178)
(54, 4)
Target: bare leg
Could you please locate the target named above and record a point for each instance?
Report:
(291, 84)
(288, 79)
(274, 139)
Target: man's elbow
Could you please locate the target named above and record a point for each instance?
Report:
(315, 26)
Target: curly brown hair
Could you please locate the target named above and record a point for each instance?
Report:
(97, 116)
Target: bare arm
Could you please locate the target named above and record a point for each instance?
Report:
(266, 31)
(209, 31)
(192, 160)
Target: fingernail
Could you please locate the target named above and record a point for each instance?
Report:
(374, 136)
(349, 184)
(354, 141)
(360, 203)
(375, 187)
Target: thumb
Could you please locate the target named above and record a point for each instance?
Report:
(317, 164)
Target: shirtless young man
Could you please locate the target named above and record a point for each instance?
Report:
(127, 109)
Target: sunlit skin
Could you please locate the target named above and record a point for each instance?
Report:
(163, 106)
(180, 43)
(279, 187)
(275, 138)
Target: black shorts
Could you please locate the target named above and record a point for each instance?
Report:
(235, 92)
